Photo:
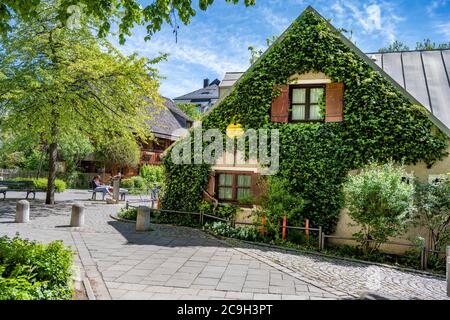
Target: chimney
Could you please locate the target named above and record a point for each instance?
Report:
(205, 83)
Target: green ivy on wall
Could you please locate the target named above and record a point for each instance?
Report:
(380, 123)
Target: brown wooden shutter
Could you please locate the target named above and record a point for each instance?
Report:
(211, 185)
(335, 102)
(280, 105)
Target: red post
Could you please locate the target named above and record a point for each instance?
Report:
(283, 232)
(263, 222)
(307, 229)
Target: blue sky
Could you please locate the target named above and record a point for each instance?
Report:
(216, 41)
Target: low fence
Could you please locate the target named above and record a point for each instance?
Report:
(314, 236)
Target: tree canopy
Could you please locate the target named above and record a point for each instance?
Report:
(127, 13)
(55, 81)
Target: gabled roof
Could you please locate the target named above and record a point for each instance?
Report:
(210, 92)
(435, 75)
(167, 119)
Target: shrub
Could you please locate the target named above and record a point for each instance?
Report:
(225, 230)
(433, 212)
(128, 214)
(41, 183)
(226, 211)
(127, 183)
(29, 270)
(380, 202)
(152, 174)
(139, 182)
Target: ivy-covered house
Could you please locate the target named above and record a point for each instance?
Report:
(335, 109)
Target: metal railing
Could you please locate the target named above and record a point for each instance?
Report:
(321, 236)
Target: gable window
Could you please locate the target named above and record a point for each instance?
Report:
(232, 186)
(305, 103)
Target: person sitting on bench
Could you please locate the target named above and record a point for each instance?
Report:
(98, 187)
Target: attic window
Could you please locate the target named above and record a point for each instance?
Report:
(305, 102)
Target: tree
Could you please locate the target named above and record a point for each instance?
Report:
(105, 13)
(380, 202)
(255, 54)
(55, 81)
(190, 110)
(395, 46)
(428, 45)
(121, 151)
(433, 212)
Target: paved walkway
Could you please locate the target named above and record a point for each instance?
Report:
(183, 263)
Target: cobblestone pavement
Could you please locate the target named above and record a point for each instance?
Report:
(354, 278)
(182, 263)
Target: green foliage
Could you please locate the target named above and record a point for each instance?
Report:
(395, 46)
(226, 211)
(128, 214)
(105, 13)
(433, 212)
(426, 44)
(33, 271)
(225, 230)
(136, 185)
(122, 151)
(380, 202)
(41, 183)
(152, 174)
(190, 110)
(380, 123)
(58, 82)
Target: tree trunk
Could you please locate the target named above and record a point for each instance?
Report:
(52, 158)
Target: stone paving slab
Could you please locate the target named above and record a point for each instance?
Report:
(184, 263)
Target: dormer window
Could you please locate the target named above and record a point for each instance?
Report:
(305, 102)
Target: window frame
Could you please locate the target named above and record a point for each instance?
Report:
(234, 185)
(307, 103)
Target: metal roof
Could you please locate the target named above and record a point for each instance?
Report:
(423, 74)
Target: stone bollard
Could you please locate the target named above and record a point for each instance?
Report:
(77, 218)
(143, 219)
(22, 211)
(448, 271)
(116, 189)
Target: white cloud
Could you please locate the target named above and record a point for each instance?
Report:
(279, 23)
(434, 5)
(444, 29)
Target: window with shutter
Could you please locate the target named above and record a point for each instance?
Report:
(280, 105)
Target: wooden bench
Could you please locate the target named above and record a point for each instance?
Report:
(20, 185)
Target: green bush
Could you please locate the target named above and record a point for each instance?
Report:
(137, 185)
(127, 183)
(139, 182)
(128, 214)
(152, 174)
(433, 212)
(380, 202)
(225, 230)
(34, 271)
(226, 211)
(41, 183)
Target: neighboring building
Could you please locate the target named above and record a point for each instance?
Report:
(166, 125)
(228, 82)
(315, 85)
(203, 98)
